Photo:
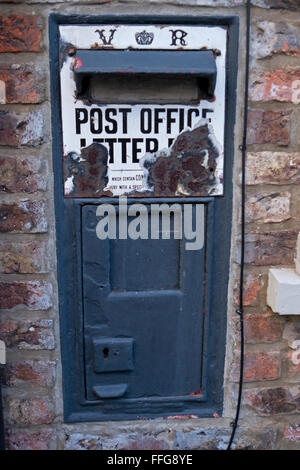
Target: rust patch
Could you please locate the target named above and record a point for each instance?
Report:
(86, 174)
(96, 46)
(182, 416)
(189, 169)
(216, 52)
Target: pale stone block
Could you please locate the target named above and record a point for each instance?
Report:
(2, 353)
(283, 295)
(2, 92)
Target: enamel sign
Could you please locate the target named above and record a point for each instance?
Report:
(141, 149)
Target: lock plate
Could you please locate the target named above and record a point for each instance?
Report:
(113, 354)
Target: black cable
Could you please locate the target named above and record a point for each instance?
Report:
(2, 444)
(243, 149)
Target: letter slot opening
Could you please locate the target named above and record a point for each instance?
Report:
(145, 76)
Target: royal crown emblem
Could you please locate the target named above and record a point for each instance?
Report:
(144, 38)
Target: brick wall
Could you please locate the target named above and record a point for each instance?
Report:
(29, 326)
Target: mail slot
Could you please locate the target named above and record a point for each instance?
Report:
(143, 114)
(198, 65)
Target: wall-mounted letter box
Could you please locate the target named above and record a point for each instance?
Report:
(142, 108)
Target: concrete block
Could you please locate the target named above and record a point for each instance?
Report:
(283, 295)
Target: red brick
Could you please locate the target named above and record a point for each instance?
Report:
(278, 85)
(273, 401)
(34, 372)
(30, 412)
(23, 217)
(268, 208)
(273, 168)
(263, 328)
(22, 83)
(21, 129)
(252, 286)
(270, 248)
(35, 335)
(22, 175)
(265, 127)
(23, 258)
(20, 33)
(259, 366)
(21, 439)
(35, 295)
(292, 432)
(147, 443)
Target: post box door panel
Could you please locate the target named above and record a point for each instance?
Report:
(143, 315)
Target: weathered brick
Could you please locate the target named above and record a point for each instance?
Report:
(268, 208)
(35, 295)
(293, 358)
(210, 3)
(22, 84)
(218, 439)
(96, 2)
(270, 248)
(266, 127)
(263, 328)
(30, 412)
(270, 38)
(21, 439)
(136, 441)
(35, 335)
(22, 175)
(259, 366)
(252, 286)
(284, 4)
(277, 85)
(23, 257)
(291, 333)
(20, 33)
(273, 168)
(292, 432)
(25, 129)
(273, 401)
(23, 217)
(34, 372)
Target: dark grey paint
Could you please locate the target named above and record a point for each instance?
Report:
(70, 230)
(200, 64)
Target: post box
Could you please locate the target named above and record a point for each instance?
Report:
(142, 115)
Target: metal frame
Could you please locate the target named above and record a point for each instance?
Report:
(68, 237)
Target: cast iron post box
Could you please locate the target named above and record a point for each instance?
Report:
(143, 110)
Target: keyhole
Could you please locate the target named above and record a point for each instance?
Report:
(105, 353)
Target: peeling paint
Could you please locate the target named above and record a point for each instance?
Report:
(86, 174)
(188, 168)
